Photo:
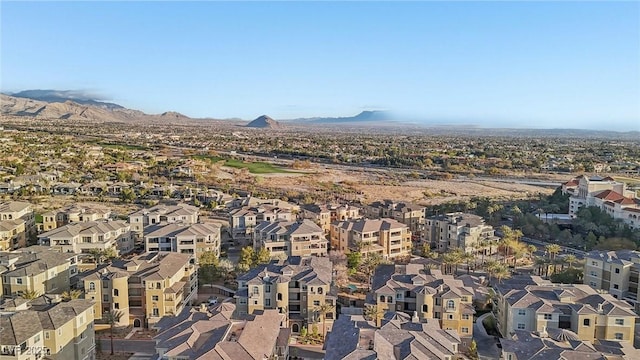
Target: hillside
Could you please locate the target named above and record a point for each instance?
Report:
(264, 122)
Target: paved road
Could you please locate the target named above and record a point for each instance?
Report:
(306, 351)
(487, 349)
(130, 346)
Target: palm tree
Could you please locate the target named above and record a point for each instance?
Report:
(373, 313)
(501, 272)
(468, 257)
(531, 249)
(483, 246)
(30, 294)
(71, 294)
(323, 310)
(112, 317)
(540, 262)
(570, 259)
(491, 266)
(553, 250)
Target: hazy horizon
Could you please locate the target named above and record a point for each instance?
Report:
(536, 65)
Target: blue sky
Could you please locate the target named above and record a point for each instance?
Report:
(535, 64)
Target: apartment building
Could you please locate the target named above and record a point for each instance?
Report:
(458, 231)
(12, 234)
(163, 213)
(47, 328)
(21, 211)
(325, 215)
(399, 337)
(386, 237)
(411, 215)
(542, 306)
(86, 236)
(80, 212)
(37, 270)
(218, 333)
(244, 219)
(290, 238)
(144, 288)
(616, 272)
(606, 193)
(426, 294)
(184, 238)
(296, 286)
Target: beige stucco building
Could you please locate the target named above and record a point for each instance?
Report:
(80, 212)
(20, 212)
(44, 272)
(458, 231)
(325, 215)
(163, 214)
(144, 288)
(616, 272)
(184, 238)
(290, 238)
(386, 237)
(411, 215)
(86, 236)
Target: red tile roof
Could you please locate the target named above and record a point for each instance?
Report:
(610, 195)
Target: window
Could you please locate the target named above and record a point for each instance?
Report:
(47, 335)
(438, 303)
(593, 273)
(319, 290)
(522, 312)
(255, 290)
(615, 286)
(154, 298)
(382, 298)
(425, 308)
(316, 302)
(255, 302)
(105, 298)
(617, 270)
(19, 281)
(268, 288)
(92, 286)
(619, 336)
(548, 316)
(450, 316)
(156, 312)
(592, 283)
(116, 292)
(436, 315)
(465, 330)
(116, 306)
(521, 326)
(390, 299)
(465, 316)
(36, 339)
(594, 263)
(586, 322)
(279, 297)
(619, 321)
(451, 304)
(267, 302)
(105, 284)
(398, 296)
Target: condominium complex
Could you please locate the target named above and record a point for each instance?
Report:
(184, 238)
(163, 213)
(458, 231)
(12, 234)
(325, 215)
(541, 306)
(218, 333)
(386, 237)
(296, 286)
(80, 212)
(616, 272)
(411, 215)
(46, 328)
(290, 238)
(84, 237)
(398, 337)
(609, 195)
(426, 294)
(244, 219)
(15, 213)
(144, 288)
(42, 272)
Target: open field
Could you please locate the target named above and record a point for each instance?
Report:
(253, 167)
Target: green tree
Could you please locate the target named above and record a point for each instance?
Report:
(262, 257)
(323, 310)
(71, 294)
(245, 262)
(30, 294)
(208, 262)
(354, 259)
(553, 250)
(473, 350)
(570, 259)
(373, 313)
(127, 196)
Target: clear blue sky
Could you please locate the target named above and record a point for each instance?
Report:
(536, 64)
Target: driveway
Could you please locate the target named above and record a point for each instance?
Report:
(487, 349)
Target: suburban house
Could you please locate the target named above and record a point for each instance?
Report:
(325, 215)
(244, 220)
(144, 288)
(163, 213)
(78, 212)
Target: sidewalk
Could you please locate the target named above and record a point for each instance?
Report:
(486, 343)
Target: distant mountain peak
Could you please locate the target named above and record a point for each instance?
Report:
(174, 115)
(264, 122)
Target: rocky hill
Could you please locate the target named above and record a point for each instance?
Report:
(264, 122)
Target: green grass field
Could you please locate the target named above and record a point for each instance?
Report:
(253, 167)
